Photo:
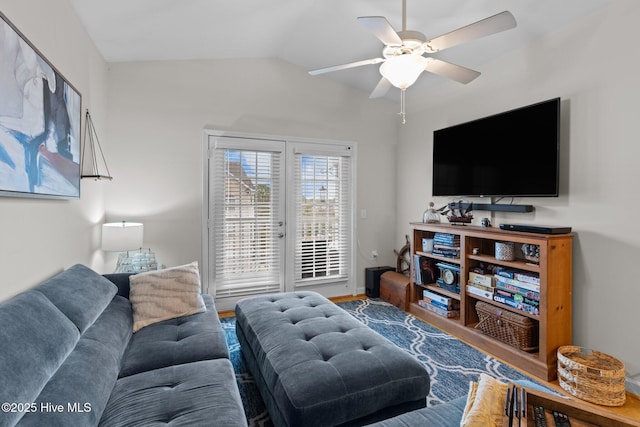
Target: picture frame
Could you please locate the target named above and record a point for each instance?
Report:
(40, 123)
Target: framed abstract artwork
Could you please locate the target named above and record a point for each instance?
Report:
(40, 114)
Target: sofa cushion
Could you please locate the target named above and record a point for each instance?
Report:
(165, 294)
(444, 415)
(88, 375)
(193, 394)
(35, 338)
(175, 341)
(121, 280)
(113, 328)
(80, 293)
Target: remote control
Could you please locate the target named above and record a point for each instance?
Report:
(562, 420)
(538, 412)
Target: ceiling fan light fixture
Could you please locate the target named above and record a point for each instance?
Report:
(403, 70)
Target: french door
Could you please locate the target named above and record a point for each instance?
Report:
(278, 216)
(321, 210)
(246, 216)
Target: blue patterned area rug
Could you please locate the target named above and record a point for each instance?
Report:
(451, 363)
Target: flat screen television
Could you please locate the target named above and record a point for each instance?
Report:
(515, 153)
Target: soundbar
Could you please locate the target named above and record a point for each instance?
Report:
(496, 207)
(541, 229)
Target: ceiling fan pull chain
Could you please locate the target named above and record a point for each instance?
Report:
(402, 102)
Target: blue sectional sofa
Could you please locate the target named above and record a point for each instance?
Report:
(69, 358)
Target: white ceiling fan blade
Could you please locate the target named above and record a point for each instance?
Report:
(491, 25)
(452, 71)
(346, 66)
(381, 88)
(381, 28)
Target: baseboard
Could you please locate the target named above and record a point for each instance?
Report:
(346, 298)
(633, 385)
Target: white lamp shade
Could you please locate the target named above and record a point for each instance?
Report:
(122, 236)
(403, 70)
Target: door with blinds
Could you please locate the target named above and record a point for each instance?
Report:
(279, 217)
(246, 216)
(321, 224)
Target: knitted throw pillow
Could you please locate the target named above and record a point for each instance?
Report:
(165, 294)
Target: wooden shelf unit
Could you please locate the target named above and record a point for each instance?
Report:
(555, 272)
(581, 413)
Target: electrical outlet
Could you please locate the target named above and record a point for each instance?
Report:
(374, 254)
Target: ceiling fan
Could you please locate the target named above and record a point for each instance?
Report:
(403, 57)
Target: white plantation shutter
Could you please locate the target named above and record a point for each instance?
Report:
(323, 216)
(247, 220)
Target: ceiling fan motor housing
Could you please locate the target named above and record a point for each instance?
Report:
(412, 42)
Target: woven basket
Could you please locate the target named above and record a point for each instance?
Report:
(592, 376)
(511, 328)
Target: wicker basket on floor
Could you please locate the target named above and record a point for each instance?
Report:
(516, 330)
(592, 376)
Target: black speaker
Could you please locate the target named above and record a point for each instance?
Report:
(372, 280)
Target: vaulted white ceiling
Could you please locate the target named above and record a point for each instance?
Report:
(311, 34)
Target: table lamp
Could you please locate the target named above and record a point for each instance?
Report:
(126, 237)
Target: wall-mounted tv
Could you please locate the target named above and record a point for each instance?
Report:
(515, 153)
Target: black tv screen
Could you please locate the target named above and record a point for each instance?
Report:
(515, 153)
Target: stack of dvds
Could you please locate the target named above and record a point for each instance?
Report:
(439, 304)
(520, 290)
(446, 245)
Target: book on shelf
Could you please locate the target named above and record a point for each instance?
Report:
(447, 253)
(474, 290)
(517, 305)
(501, 280)
(505, 272)
(442, 300)
(532, 278)
(438, 310)
(518, 297)
(446, 239)
(481, 279)
(449, 247)
(529, 278)
(416, 270)
(423, 270)
(454, 306)
(451, 305)
(483, 287)
(518, 290)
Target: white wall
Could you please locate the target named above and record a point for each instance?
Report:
(593, 67)
(157, 114)
(40, 238)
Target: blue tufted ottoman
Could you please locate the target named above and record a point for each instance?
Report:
(315, 365)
